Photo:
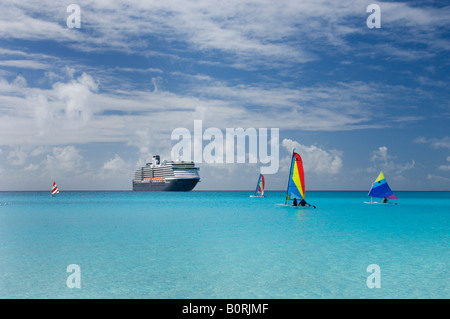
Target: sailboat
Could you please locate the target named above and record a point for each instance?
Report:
(296, 183)
(259, 191)
(381, 189)
(55, 189)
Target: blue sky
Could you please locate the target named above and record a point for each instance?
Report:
(87, 106)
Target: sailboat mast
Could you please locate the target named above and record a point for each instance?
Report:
(289, 177)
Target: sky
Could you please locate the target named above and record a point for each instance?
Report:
(86, 105)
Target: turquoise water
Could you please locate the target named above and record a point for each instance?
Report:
(222, 245)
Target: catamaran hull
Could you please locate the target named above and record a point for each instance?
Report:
(172, 185)
(300, 207)
(388, 203)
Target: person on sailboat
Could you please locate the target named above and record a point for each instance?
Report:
(303, 203)
(384, 200)
(294, 203)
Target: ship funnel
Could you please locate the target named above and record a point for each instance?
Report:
(156, 159)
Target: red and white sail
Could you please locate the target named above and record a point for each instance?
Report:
(55, 189)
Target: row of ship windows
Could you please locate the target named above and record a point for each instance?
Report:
(146, 173)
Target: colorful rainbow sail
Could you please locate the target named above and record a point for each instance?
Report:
(260, 186)
(296, 184)
(381, 189)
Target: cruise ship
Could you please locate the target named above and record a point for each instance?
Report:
(166, 176)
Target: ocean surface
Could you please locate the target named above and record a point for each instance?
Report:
(223, 245)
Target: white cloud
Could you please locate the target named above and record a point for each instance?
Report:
(424, 80)
(31, 167)
(114, 164)
(20, 81)
(384, 161)
(445, 167)
(78, 111)
(64, 159)
(25, 64)
(117, 170)
(316, 159)
(414, 17)
(32, 21)
(38, 151)
(77, 97)
(443, 142)
(381, 155)
(339, 106)
(31, 115)
(17, 156)
(264, 32)
(438, 178)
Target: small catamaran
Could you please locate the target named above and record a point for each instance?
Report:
(381, 189)
(55, 189)
(296, 184)
(259, 191)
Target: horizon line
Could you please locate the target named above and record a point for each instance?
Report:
(217, 190)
